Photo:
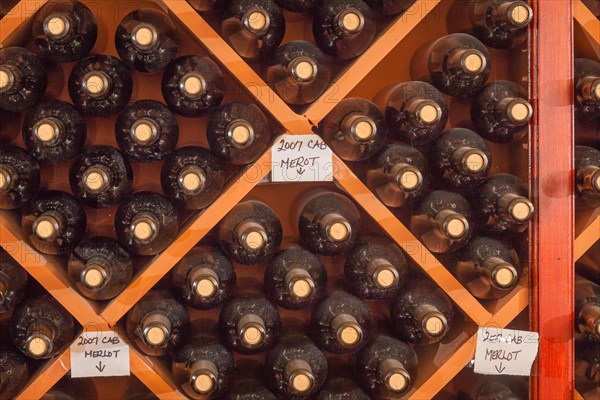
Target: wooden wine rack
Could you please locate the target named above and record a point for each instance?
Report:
(548, 153)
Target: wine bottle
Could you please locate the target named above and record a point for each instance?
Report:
(375, 269)
(13, 372)
(502, 388)
(416, 112)
(399, 175)
(328, 222)
(299, 6)
(253, 28)
(13, 280)
(203, 368)
(587, 176)
(587, 308)
(501, 112)
(193, 86)
(295, 279)
(54, 131)
(587, 89)
(22, 79)
(355, 129)
(340, 388)
(250, 233)
(192, 177)
(344, 28)
(238, 132)
(204, 278)
(157, 323)
(100, 268)
(100, 86)
(250, 389)
(386, 368)
(460, 159)
(501, 205)
(296, 368)
(146, 40)
(101, 177)
(147, 131)
(390, 7)
(146, 223)
(299, 72)
(19, 177)
(41, 328)
(54, 222)
(421, 314)
(587, 366)
(442, 221)
(64, 30)
(341, 323)
(249, 323)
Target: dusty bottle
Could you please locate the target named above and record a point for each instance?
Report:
(442, 221)
(54, 131)
(19, 177)
(587, 308)
(299, 72)
(295, 279)
(238, 132)
(390, 7)
(340, 388)
(587, 176)
(355, 129)
(64, 30)
(250, 233)
(146, 40)
(501, 388)
(193, 86)
(22, 79)
(204, 278)
(147, 131)
(299, 6)
(249, 323)
(587, 366)
(157, 323)
(250, 389)
(146, 223)
(501, 112)
(100, 268)
(192, 177)
(13, 280)
(587, 89)
(13, 371)
(296, 368)
(41, 328)
(386, 368)
(54, 222)
(100, 85)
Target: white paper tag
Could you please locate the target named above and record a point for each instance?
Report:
(505, 351)
(301, 158)
(99, 353)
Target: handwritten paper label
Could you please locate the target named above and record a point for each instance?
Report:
(505, 351)
(301, 158)
(100, 353)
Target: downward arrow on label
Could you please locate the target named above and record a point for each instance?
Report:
(300, 171)
(100, 367)
(500, 368)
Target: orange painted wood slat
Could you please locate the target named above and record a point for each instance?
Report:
(154, 375)
(589, 23)
(587, 232)
(46, 377)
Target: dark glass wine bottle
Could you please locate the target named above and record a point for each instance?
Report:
(442, 221)
(41, 328)
(386, 368)
(146, 40)
(22, 79)
(54, 131)
(295, 279)
(299, 72)
(64, 30)
(147, 131)
(355, 129)
(587, 308)
(203, 368)
(299, 6)
(19, 177)
(101, 177)
(587, 366)
(341, 388)
(341, 323)
(390, 7)
(587, 176)
(158, 324)
(460, 159)
(253, 28)
(501, 388)
(13, 371)
(587, 89)
(249, 323)
(54, 222)
(13, 280)
(204, 278)
(501, 205)
(146, 223)
(238, 132)
(501, 112)
(250, 389)
(100, 268)
(193, 86)
(250, 233)
(100, 85)
(344, 28)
